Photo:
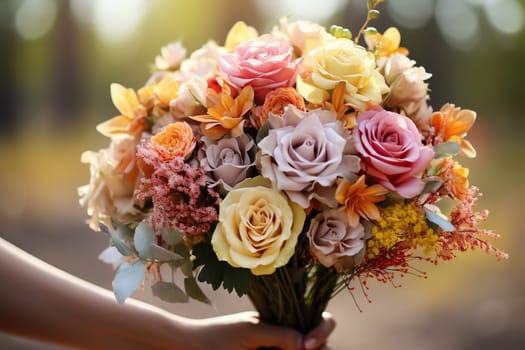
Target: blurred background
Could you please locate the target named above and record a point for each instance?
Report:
(58, 58)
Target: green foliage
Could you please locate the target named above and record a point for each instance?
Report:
(194, 291)
(438, 219)
(121, 238)
(340, 32)
(127, 279)
(169, 292)
(446, 149)
(217, 272)
(263, 132)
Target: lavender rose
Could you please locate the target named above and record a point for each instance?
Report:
(391, 150)
(229, 159)
(305, 152)
(332, 240)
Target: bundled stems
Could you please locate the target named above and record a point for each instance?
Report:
(294, 297)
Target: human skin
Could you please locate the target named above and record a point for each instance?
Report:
(44, 303)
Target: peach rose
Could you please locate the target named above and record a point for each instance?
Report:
(175, 140)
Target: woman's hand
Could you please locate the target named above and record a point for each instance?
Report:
(242, 331)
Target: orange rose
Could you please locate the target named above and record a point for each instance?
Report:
(175, 140)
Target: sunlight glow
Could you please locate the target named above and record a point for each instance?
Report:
(117, 20)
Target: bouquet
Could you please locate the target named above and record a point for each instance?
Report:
(283, 166)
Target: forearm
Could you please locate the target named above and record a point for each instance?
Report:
(45, 303)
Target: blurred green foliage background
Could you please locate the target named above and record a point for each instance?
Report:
(58, 58)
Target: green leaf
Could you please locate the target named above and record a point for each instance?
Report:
(432, 184)
(163, 255)
(143, 239)
(172, 237)
(194, 291)
(217, 272)
(446, 149)
(434, 216)
(122, 241)
(263, 132)
(169, 292)
(127, 279)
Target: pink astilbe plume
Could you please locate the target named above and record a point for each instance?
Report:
(467, 234)
(179, 193)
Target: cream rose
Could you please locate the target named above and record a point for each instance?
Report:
(114, 178)
(337, 61)
(258, 227)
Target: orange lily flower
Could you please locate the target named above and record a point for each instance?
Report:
(359, 199)
(452, 123)
(227, 115)
(133, 108)
(338, 106)
(165, 91)
(386, 44)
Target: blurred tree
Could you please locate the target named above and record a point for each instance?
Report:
(8, 88)
(66, 86)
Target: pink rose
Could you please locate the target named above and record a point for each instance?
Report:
(265, 63)
(391, 150)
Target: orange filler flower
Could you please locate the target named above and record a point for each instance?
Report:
(359, 199)
(452, 123)
(226, 116)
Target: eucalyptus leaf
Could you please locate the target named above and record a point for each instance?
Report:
(169, 292)
(194, 291)
(446, 149)
(172, 237)
(437, 218)
(143, 239)
(127, 279)
(432, 185)
(163, 255)
(120, 244)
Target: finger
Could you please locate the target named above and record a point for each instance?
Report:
(318, 336)
(266, 335)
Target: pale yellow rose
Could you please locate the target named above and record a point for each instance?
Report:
(258, 227)
(337, 61)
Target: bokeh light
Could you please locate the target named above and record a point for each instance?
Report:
(35, 18)
(411, 14)
(313, 10)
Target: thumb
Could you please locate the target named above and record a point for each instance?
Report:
(267, 335)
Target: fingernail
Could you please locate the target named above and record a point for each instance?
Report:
(310, 343)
